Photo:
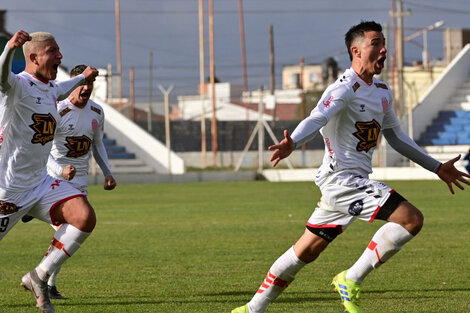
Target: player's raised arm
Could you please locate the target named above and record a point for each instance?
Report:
(67, 86)
(17, 41)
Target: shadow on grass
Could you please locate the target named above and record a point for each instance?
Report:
(331, 294)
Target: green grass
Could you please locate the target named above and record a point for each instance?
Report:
(206, 247)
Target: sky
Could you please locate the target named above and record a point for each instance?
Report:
(168, 29)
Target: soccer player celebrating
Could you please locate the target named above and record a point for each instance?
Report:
(80, 127)
(350, 116)
(29, 121)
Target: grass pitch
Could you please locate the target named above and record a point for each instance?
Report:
(206, 247)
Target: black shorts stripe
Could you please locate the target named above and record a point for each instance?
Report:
(390, 206)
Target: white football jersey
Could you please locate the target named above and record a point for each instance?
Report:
(356, 112)
(78, 130)
(28, 124)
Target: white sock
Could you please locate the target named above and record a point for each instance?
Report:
(65, 242)
(387, 241)
(53, 278)
(280, 275)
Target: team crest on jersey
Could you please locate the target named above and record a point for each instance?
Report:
(356, 207)
(368, 134)
(44, 126)
(77, 145)
(384, 104)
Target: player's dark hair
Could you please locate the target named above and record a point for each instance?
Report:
(358, 31)
(77, 70)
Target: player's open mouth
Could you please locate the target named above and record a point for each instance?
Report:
(381, 61)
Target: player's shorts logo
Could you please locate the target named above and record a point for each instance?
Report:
(368, 134)
(78, 146)
(356, 207)
(44, 126)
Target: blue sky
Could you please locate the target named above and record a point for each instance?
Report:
(312, 29)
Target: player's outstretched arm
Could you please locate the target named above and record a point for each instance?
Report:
(451, 175)
(282, 150)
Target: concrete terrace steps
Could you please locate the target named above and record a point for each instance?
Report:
(121, 161)
(127, 166)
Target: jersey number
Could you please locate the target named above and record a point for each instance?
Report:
(4, 224)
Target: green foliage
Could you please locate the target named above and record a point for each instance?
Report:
(206, 247)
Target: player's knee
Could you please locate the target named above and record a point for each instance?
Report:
(415, 223)
(86, 220)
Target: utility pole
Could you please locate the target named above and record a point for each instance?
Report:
(131, 93)
(118, 50)
(202, 87)
(242, 44)
(212, 79)
(166, 96)
(109, 80)
(149, 107)
(272, 68)
(400, 53)
(303, 109)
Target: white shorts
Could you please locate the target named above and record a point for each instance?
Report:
(346, 197)
(38, 202)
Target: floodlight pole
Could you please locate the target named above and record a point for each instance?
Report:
(166, 95)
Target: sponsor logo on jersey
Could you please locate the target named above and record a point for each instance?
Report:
(380, 85)
(65, 111)
(44, 126)
(77, 145)
(356, 207)
(368, 134)
(8, 207)
(356, 86)
(328, 102)
(384, 104)
(95, 109)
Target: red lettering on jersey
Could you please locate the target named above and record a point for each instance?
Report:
(55, 184)
(327, 103)
(328, 146)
